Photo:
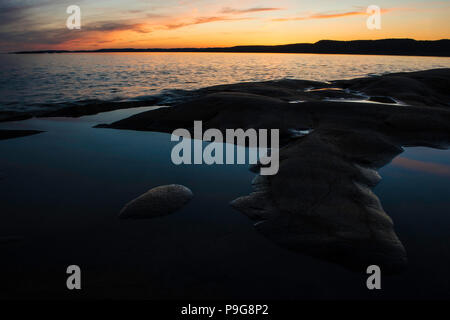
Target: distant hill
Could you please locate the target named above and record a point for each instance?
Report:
(408, 47)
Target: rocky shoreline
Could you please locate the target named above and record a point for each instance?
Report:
(320, 202)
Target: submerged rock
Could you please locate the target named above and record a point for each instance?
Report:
(156, 202)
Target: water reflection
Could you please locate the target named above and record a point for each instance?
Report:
(61, 192)
(422, 166)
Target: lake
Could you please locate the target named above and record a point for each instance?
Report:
(61, 192)
(47, 81)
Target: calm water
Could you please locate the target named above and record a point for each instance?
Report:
(29, 81)
(61, 191)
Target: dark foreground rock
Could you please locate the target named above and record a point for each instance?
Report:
(320, 202)
(95, 106)
(14, 116)
(422, 88)
(156, 202)
(76, 110)
(268, 105)
(11, 134)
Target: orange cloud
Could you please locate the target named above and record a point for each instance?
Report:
(330, 15)
(202, 20)
(229, 10)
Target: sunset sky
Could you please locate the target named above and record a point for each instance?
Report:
(41, 24)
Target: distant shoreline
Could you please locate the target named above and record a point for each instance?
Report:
(404, 47)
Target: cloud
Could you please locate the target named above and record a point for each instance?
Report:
(13, 13)
(329, 15)
(228, 10)
(109, 26)
(146, 14)
(202, 20)
(88, 34)
(59, 36)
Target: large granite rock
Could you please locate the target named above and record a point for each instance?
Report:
(156, 202)
(321, 203)
(428, 88)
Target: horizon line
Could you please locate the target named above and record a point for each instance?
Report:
(288, 48)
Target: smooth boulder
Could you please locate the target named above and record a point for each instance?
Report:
(157, 202)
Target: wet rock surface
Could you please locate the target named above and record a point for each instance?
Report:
(423, 88)
(11, 134)
(156, 202)
(382, 99)
(13, 116)
(320, 202)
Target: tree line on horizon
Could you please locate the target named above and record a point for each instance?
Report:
(376, 47)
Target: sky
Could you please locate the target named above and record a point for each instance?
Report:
(41, 24)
